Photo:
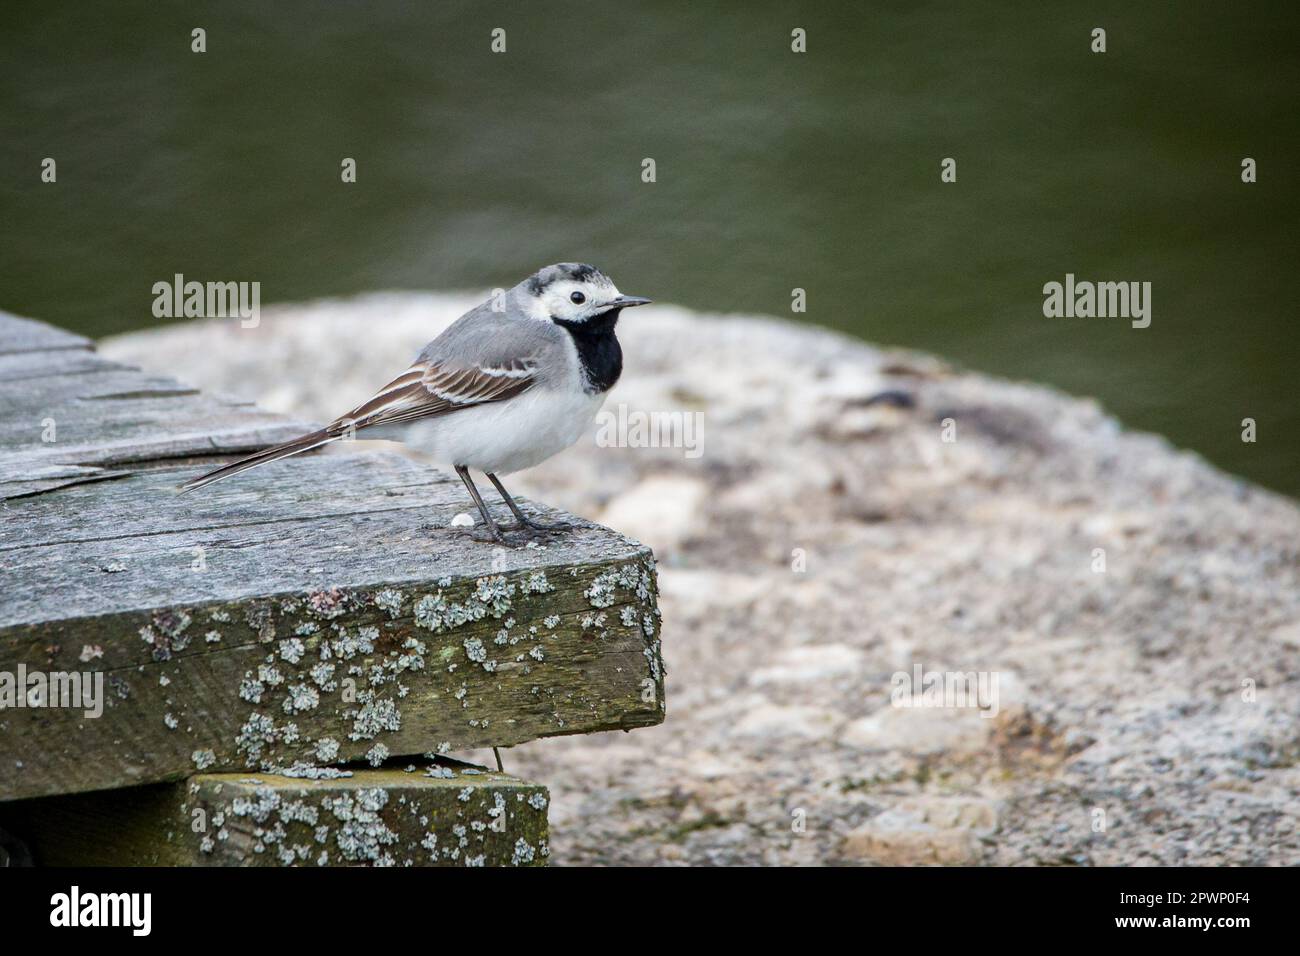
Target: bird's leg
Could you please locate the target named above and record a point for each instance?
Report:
(524, 520)
(478, 500)
(496, 753)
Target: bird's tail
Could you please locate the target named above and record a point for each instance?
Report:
(294, 446)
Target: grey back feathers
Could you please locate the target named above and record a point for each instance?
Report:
(483, 338)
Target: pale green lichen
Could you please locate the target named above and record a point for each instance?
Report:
(390, 601)
(348, 646)
(523, 853)
(637, 579)
(375, 716)
(302, 697)
(323, 674)
(308, 771)
(257, 733)
(536, 583)
(492, 596)
(362, 832)
(259, 807)
(251, 690)
(327, 749)
(601, 592)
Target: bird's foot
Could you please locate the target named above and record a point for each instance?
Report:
(542, 528)
(497, 536)
(511, 536)
(484, 534)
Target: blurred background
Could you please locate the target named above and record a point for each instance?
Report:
(774, 171)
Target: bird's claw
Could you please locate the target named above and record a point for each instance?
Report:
(479, 533)
(538, 528)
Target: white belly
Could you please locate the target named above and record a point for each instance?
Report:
(501, 437)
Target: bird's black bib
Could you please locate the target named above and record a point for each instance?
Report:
(598, 349)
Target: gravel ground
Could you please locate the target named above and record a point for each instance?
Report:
(1134, 613)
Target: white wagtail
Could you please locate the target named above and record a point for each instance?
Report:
(503, 388)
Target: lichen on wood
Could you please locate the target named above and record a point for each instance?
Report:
(430, 814)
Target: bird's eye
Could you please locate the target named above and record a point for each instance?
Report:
(577, 298)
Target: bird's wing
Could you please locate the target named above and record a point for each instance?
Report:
(481, 357)
(429, 388)
(423, 390)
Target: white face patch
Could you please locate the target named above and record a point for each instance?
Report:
(557, 299)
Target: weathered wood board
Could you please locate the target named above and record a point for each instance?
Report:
(439, 814)
(314, 611)
(68, 416)
(19, 335)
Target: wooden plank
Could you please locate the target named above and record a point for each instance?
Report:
(115, 416)
(25, 366)
(71, 417)
(317, 610)
(101, 383)
(458, 816)
(27, 335)
(37, 479)
(350, 481)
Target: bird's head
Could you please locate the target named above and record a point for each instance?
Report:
(574, 295)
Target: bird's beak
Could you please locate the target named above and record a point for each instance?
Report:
(626, 302)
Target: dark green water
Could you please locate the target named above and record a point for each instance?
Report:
(775, 170)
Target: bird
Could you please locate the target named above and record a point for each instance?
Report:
(512, 382)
